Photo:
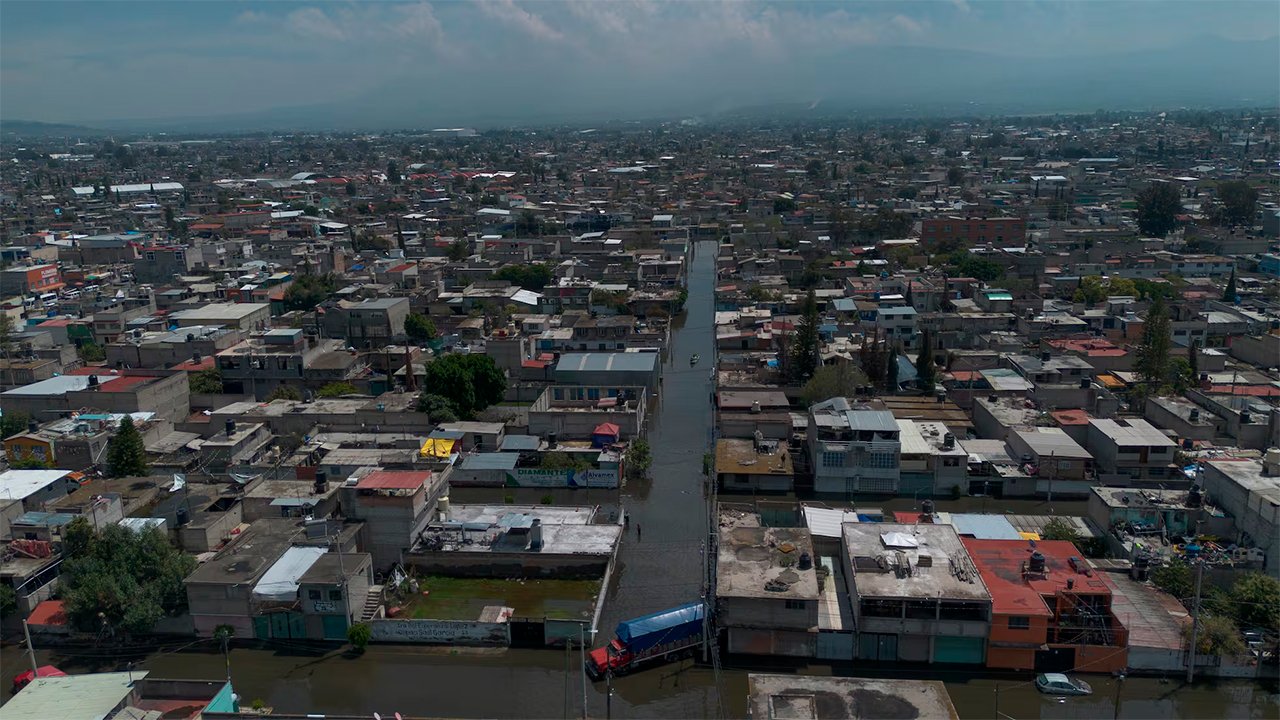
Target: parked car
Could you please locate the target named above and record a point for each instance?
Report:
(1059, 684)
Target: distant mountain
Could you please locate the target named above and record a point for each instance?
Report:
(31, 128)
(866, 81)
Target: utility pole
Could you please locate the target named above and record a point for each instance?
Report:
(1053, 470)
(582, 646)
(31, 650)
(1195, 624)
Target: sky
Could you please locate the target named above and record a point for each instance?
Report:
(86, 62)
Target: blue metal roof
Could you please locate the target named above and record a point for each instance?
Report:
(520, 442)
(490, 461)
(984, 527)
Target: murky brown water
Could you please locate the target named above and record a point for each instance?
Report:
(663, 569)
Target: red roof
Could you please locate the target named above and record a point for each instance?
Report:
(401, 268)
(607, 429)
(533, 364)
(49, 612)
(122, 384)
(1071, 417)
(1252, 390)
(206, 363)
(1001, 564)
(393, 480)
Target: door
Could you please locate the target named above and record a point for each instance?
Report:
(881, 647)
(334, 627)
(958, 650)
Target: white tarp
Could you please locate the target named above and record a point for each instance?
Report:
(281, 581)
(899, 540)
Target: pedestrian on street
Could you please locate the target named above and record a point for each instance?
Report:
(639, 533)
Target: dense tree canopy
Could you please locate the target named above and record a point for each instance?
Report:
(419, 327)
(470, 382)
(126, 453)
(534, 276)
(121, 579)
(1158, 208)
(205, 382)
(1236, 203)
(307, 291)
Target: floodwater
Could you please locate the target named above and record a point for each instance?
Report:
(663, 567)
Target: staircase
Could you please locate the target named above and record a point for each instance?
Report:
(372, 604)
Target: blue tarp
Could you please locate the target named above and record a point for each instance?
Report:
(667, 626)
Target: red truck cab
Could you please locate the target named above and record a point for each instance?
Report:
(609, 658)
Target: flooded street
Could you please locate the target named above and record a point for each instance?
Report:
(661, 569)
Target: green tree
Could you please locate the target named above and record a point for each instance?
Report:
(285, 392)
(1174, 578)
(1256, 598)
(1235, 204)
(91, 352)
(126, 453)
(804, 350)
(14, 423)
(1181, 378)
(438, 408)
(458, 250)
(926, 371)
(955, 175)
(968, 265)
(1193, 359)
(1091, 290)
(393, 173)
(1152, 361)
(1229, 293)
(1158, 207)
(205, 382)
(1218, 635)
(470, 382)
(892, 370)
(783, 205)
(337, 389)
(419, 327)
(1059, 529)
(638, 458)
(359, 636)
(839, 379)
(534, 276)
(307, 291)
(8, 600)
(121, 579)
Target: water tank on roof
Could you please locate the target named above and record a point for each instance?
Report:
(926, 507)
(230, 427)
(1036, 564)
(1195, 497)
(806, 561)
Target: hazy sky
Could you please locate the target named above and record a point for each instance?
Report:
(87, 61)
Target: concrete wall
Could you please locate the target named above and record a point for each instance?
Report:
(441, 632)
(785, 643)
(771, 613)
(508, 565)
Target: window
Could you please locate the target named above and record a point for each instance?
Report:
(795, 604)
(335, 595)
(313, 594)
(151, 256)
(832, 459)
(882, 460)
(1019, 622)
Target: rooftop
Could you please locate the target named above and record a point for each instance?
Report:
(741, 457)
(1132, 431)
(809, 697)
(504, 529)
(760, 562)
(212, 312)
(1015, 589)
(877, 549)
(72, 697)
(627, 362)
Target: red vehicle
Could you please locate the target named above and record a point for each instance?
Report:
(22, 680)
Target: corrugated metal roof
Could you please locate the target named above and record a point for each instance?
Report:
(826, 522)
(491, 461)
(595, 362)
(984, 527)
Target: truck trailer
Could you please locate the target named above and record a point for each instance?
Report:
(660, 636)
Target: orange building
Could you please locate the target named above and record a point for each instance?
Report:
(1049, 611)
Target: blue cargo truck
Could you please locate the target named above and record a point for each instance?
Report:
(661, 636)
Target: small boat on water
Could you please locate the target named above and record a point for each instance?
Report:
(693, 359)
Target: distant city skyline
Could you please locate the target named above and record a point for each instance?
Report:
(401, 64)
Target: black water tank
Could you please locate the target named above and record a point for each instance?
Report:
(1084, 383)
(1194, 497)
(231, 427)
(93, 380)
(184, 516)
(1037, 562)
(33, 426)
(806, 562)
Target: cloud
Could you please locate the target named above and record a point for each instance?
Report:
(250, 17)
(906, 24)
(506, 11)
(419, 21)
(314, 23)
(962, 6)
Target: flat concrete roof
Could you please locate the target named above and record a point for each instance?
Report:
(565, 530)
(73, 697)
(809, 697)
(871, 545)
(1132, 431)
(220, 311)
(760, 562)
(740, 457)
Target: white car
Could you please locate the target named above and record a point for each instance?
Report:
(1059, 684)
